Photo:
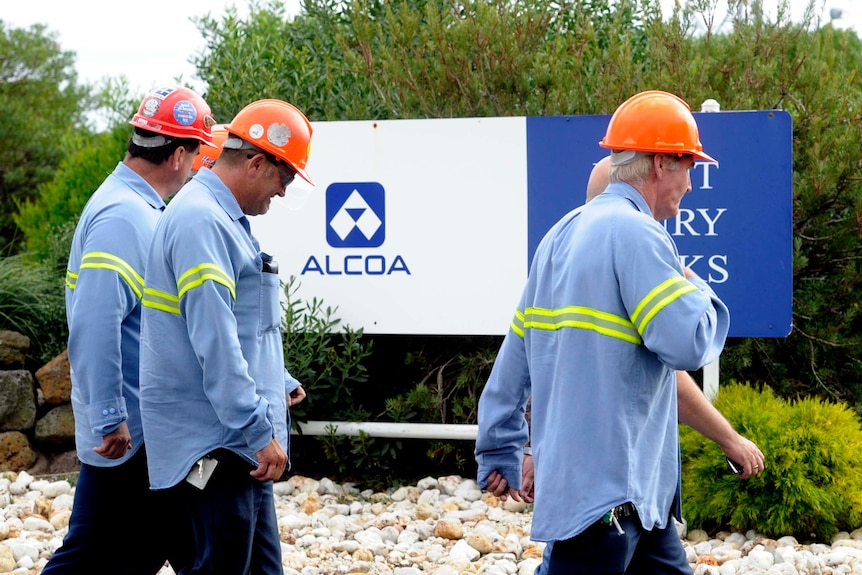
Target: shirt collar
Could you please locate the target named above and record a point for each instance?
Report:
(626, 191)
(139, 185)
(221, 193)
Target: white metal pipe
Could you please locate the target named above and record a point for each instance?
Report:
(396, 430)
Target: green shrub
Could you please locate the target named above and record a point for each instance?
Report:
(811, 486)
(325, 356)
(32, 303)
(54, 213)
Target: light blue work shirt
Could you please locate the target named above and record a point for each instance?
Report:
(104, 283)
(212, 361)
(605, 319)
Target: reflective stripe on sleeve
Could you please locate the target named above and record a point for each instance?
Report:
(199, 274)
(162, 301)
(106, 261)
(71, 279)
(659, 298)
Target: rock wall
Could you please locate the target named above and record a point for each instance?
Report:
(37, 427)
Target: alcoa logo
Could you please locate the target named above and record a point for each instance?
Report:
(355, 215)
(355, 219)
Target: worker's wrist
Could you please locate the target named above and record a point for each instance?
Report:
(528, 450)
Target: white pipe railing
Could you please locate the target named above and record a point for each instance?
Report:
(396, 430)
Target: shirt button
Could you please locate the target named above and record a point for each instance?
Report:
(113, 411)
(104, 412)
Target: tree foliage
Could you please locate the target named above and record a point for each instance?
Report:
(375, 59)
(41, 103)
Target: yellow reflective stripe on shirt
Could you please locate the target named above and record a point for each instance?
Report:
(71, 279)
(106, 261)
(199, 274)
(162, 301)
(518, 323)
(581, 318)
(659, 298)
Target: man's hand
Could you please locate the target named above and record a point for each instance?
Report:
(527, 476)
(498, 486)
(271, 462)
(115, 444)
(746, 453)
(295, 396)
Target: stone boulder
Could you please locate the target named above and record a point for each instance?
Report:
(56, 429)
(17, 400)
(15, 451)
(13, 349)
(55, 380)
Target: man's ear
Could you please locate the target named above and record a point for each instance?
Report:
(659, 164)
(177, 157)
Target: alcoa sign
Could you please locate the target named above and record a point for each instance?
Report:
(428, 226)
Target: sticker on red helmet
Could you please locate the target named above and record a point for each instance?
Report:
(163, 92)
(185, 113)
(150, 107)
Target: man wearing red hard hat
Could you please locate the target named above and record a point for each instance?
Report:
(111, 526)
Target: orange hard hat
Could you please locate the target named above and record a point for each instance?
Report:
(176, 112)
(655, 121)
(277, 128)
(207, 156)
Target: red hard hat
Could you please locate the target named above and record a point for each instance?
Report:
(177, 112)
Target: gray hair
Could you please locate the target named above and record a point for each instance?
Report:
(637, 170)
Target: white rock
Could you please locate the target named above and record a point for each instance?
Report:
(24, 549)
(400, 494)
(462, 549)
(429, 497)
(761, 558)
(63, 501)
(783, 569)
(735, 539)
(328, 487)
(468, 490)
(38, 524)
(282, 488)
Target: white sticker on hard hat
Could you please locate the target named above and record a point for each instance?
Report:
(150, 107)
(185, 113)
(255, 131)
(278, 134)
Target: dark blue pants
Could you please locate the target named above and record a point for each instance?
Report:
(119, 526)
(234, 522)
(602, 550)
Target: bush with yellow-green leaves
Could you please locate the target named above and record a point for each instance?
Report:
(811, 486)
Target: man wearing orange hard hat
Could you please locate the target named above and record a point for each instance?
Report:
(607, 317)
(214, 389)
(110, 529)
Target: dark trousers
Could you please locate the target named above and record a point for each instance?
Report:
(118, 526)
(233, 522)
(602, 550)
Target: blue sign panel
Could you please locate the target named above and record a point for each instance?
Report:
(734, 229)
